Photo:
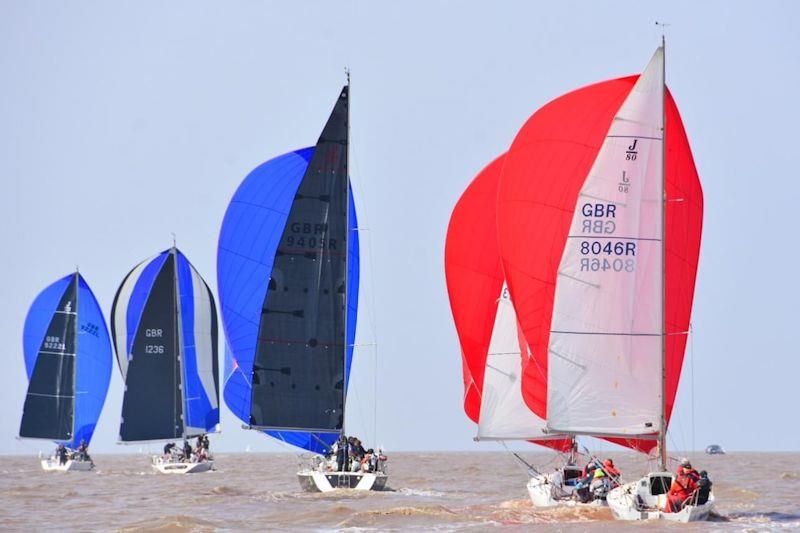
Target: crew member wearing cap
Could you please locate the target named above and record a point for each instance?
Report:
(683, 487)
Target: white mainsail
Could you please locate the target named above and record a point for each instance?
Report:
(504, 415)
(605, 350)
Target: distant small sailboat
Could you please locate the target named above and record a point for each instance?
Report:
(591, 180)
(68, 361)
(715, 449)
(164, 324)
(288, 276)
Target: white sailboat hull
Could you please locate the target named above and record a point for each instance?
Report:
(635, 501)
(316, 481)
(72, 465)
(180, 467)
(548, 490)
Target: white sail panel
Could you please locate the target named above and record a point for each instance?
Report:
(119, 316)
(605, 350)
(504, 415)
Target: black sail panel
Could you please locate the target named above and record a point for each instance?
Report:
(152, 408)
(298, 374)
(50, 403)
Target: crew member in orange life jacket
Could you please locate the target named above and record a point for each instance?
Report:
(683, 486)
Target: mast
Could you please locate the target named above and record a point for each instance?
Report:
(346, 252)
(76, 280)
(662, 432)
(177, 364)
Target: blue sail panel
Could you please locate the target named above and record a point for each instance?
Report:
(251, 230)
(198, 329)
(353, 277)
(93, 370)
(313, 442)
(38, 318)
(321, 442)
(138, 297)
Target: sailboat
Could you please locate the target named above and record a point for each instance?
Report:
(164, 325)
(603, 180)
(492, 346)
(68, 362)
(288, 275)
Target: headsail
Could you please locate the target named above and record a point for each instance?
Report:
(605, 334)
(504, 415)
(491, 346)
(288, 281)
(164, 325)
(571, 147)
(68, 361)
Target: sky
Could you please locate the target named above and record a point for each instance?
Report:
(124, 122)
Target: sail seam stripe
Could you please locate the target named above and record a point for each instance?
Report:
(633, 137)
(57, 353)
(607, 333)
(613, 237)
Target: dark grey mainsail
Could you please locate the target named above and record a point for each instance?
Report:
(152, 407)
(299, 368)
(48, 412)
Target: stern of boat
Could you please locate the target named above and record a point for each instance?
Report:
(53, 465)
(180, 467)
(645, 500)
(316, 481)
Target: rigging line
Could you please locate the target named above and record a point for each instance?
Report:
(530, 469)
(691, 363)
(370, 300)
(359, 403)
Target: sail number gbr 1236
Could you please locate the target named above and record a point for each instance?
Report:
(153, 335)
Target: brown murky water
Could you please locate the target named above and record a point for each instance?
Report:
(431, 491)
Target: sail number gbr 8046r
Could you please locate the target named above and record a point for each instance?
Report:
(152, 334)
(600, 251)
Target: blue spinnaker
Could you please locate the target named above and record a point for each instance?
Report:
(92, 370)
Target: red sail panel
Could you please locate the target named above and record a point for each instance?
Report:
(543, 173)
(474, 277)
(683, 230)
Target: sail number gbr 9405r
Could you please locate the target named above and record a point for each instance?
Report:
(600, 251)
(152, 334)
